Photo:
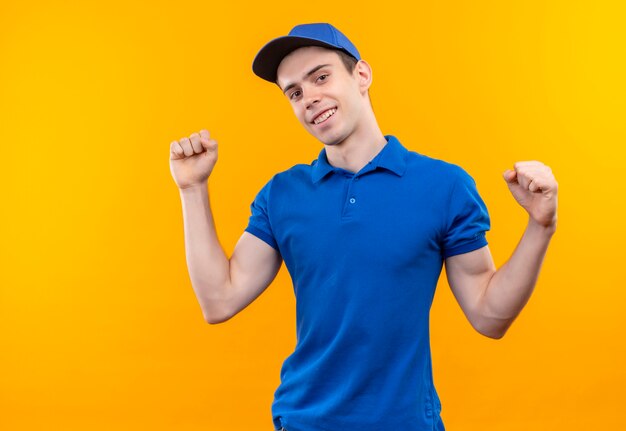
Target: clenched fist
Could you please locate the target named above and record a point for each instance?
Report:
(534, 187)
(192, 159)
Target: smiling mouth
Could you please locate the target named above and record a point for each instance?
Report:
(324, 116)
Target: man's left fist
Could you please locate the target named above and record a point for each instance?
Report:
(534, 187)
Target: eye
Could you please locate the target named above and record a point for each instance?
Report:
(294, 94)
(322, 77)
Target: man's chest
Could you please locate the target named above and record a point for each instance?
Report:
(388, 223)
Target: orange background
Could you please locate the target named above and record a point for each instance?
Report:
(99, 325)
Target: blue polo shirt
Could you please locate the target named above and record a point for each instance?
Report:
(365, 251)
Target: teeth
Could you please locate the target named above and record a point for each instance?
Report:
(321, 118)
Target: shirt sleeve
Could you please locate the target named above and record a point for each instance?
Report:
(259, 223)
(468, 218)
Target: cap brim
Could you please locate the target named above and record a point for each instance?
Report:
(267, 60)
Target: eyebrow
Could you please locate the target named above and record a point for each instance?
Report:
(306, 75)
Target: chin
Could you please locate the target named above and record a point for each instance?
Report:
(330, 139)
(331, 143)
(334, 141)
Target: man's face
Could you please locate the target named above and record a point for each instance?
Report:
(325, 97)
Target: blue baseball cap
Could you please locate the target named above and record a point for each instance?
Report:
(268, 59)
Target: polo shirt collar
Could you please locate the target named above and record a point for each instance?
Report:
(391, 157)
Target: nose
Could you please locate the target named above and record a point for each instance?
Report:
(311, 97)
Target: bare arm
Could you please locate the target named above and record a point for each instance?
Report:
(492, 299)
(222, 286)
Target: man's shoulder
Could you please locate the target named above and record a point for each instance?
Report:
(300, 170)
(434, 166)
(290, 176)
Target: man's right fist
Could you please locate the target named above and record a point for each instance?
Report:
(192, 159)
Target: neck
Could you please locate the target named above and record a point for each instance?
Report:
(358, 149)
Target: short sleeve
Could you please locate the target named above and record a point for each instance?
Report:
(468, 218)
(259, 222)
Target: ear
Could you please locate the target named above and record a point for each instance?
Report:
(363, 74)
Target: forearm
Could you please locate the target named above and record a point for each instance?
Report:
(511, 286)
(208, 266)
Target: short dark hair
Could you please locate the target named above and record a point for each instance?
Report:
(348, 61)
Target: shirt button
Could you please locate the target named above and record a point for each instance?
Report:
(352, 200)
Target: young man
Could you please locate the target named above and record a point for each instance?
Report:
(364, 231)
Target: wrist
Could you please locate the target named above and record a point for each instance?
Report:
(548, 228)
(193, 188)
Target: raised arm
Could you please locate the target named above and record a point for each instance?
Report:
(222, 286)
(491, 299)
